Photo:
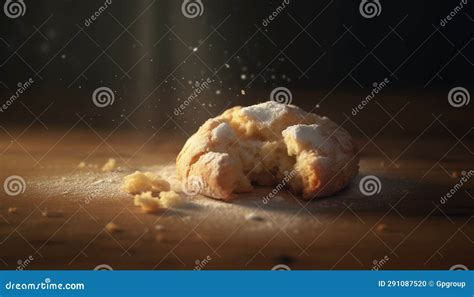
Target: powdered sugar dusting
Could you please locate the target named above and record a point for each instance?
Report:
(265, 113)
(308, 134)
(223, 132)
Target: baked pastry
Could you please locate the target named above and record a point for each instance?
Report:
(269, 144)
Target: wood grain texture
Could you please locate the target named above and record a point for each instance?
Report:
(61, 215)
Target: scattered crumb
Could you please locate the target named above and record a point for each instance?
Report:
(140, 182)
(381, 228)
(147, 202)
(170, 199)
(253, 217)
(242, 92)
(454, 174)
(13, 210)
(112, 228)
(159, 227)
(110, 165)
(50, 214)
(160, 237)
(81, 165)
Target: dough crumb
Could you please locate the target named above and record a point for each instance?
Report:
(110, 165)
(81, 165)
(112, 228)
(13, 210)
(171, 199)
(253, 217)
(148, 203)
(140, 182)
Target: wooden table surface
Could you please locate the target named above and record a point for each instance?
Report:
(60, 218)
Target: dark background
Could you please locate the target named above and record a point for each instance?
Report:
(143, 51)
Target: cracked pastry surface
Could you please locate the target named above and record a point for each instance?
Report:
(265, 143)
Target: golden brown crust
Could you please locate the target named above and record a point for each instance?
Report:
(265, 144)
